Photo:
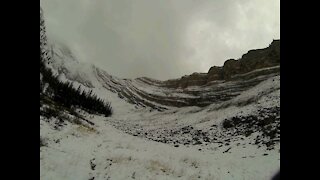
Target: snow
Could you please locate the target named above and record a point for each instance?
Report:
(160, 91)
(106, 151)
(118, 155)
(256, 70)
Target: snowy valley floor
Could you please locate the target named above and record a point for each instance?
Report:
(113, 149)
(107, 153)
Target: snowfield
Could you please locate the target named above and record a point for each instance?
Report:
(117, 148)
(108, 153)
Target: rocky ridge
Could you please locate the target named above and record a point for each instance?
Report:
(199, 89)
(253, 60)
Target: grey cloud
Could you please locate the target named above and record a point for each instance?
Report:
(161, 39)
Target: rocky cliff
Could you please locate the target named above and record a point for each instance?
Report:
(253, 60)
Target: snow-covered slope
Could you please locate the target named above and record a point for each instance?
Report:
(105, 151)
(75, 152)
(222, 130)
(146, 92)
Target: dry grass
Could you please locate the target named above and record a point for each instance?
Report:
(86, 129)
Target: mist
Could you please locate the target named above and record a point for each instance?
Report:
(161, 39)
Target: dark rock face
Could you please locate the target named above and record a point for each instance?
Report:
(254, 59)
(231, 67)
(215, 73)
(260, 58)
(195, 79)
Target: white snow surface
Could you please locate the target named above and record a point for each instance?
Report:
(117, 155)
(121, 156)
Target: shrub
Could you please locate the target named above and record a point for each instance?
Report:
(227, 124)
(42, 142)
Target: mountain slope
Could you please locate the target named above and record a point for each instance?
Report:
(170, 144)
(226, 128)
(186, 91)
(104, 151)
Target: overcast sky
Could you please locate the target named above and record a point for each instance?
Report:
(161, 39)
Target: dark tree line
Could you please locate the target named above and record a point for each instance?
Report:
(66, 95)
(63, 93)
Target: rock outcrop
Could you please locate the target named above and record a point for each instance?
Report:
(195, 79)
(253, 60)
(215, 73)
(261, 58)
